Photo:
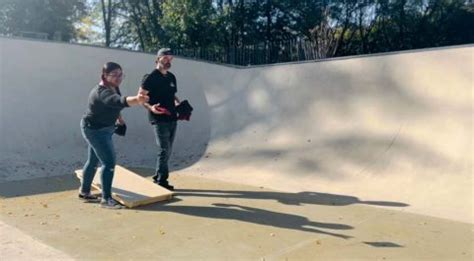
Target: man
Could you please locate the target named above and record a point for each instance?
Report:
(161, 87)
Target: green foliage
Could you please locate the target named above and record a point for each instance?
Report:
(53, 18)
(189, 23)
(225, 27)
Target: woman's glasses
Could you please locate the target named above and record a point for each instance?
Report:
(117, 75)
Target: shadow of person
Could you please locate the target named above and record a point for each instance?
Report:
(253, 215)
(305, 197)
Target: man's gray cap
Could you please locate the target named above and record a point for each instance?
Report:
(164, 51)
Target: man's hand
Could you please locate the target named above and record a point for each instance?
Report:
(156, 109)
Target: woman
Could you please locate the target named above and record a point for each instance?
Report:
(97, 125)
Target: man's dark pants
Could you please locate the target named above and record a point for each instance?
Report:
(164, 134)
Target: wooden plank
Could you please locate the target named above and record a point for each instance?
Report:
(131, 189)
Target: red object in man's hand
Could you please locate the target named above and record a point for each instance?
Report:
(161, 110)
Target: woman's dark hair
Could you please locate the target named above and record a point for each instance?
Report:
(109, 67)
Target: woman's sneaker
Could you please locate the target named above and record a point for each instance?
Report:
(110, 203)
(88, 197)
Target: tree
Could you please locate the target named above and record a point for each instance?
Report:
(275, 29)
(53, 18)
(108, 15)
(189, 23)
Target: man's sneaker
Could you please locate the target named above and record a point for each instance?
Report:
(88, 197)
(167, 186)
(110, 203)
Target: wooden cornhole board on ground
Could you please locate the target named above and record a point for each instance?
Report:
(131, 189)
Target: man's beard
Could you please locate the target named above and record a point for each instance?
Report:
(166, 65)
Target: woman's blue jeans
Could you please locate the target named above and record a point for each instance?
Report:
(100, 149)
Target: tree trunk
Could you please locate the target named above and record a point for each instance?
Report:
(107, 17)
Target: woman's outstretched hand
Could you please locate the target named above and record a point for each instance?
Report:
(142, 96)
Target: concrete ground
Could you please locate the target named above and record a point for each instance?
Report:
(215, 220)
(366, 157)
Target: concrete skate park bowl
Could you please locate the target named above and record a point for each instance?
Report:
(391, 130)
(281, 162)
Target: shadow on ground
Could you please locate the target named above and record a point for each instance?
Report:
(253, 215)
(70, 182)
(38, 186)
(305, 197)
(30, 187)
(213, 206)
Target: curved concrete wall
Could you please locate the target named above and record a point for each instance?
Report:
(44, 90)
(393, 127)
